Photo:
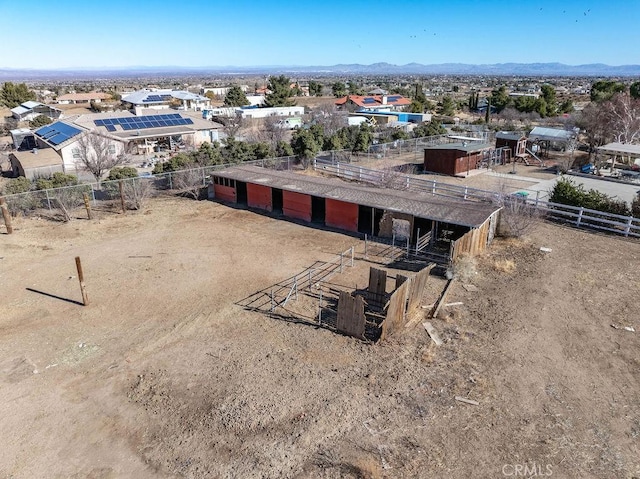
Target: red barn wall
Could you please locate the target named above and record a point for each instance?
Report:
(450, 162)
(296, 205)
(225, 193)
(342, 215)
(259, 196)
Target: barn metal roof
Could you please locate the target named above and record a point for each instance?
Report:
(551, 134)
(422, 205)
(471, 147)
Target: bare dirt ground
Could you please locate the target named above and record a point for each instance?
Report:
(163, 375)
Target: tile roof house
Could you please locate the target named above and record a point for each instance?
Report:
(373, 102)
(71, 98)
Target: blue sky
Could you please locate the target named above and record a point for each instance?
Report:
(72, 33)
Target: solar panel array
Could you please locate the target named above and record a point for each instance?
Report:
(142, 122)
(57, 132)
(156, 98)
(394, 98)
(369, 100)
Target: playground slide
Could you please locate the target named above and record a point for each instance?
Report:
(535, 156)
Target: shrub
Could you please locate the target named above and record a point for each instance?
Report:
(566, 192)
(18, 185)
(120, 173)
(56, 180)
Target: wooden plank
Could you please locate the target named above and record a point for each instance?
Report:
(396, 313)
(433, 333)
(467, 401)
(416, 290)
(400, 280)
(351, 317)
(377, 285)
(442, 298)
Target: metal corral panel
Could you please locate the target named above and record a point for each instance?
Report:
(225, 193)
(259, 196)
(296, 205)
(342, 215)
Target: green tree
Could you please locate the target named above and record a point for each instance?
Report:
(354, 88)
(446, 106)
(304, 145)
(38, 121)
(500, 98)
(339, 89)
(429, 128)
(235, 97)
(551, 104)
(13, 94)
(315, 88)
(603, 90)
(634, 90)
(566, 106)
(281, 92)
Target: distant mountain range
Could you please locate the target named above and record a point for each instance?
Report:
(496, 69)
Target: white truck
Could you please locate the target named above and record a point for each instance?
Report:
(290, 123)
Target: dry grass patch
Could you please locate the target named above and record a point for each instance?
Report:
(504, 265)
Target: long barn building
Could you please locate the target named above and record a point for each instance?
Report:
(352, 207)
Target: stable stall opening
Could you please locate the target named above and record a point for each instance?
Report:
(276, 201)
(241, 192)
(366, 220)
(318, 210)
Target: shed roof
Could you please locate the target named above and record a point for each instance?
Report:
(37, 158)
(510, 135)
(471, 147)
(551, 134)
(20, 110)
(620, 149)
(464, 213)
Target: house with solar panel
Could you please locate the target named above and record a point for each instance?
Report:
(165, 99)
(127, 133)
(29, 110)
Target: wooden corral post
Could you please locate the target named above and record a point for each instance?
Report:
(121, 187)
(87, 205)
(352, 256)
(6, 215)
(365, 246)
(85, 299)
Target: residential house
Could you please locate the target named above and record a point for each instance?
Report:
(29, 110)
(373, 102)
(76, 98)
(164, 99)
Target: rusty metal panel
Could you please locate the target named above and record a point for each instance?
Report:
(396, 314)
(259, 196)
(342, 215)
(225, 193)
(351, 318)
(296, 205)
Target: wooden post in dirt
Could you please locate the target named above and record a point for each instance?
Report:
(6, 215)
(121, 187)
(85, 299)
(87, 205)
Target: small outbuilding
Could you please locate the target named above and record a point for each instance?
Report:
(516, 142)
(455, 158)
(35, 163)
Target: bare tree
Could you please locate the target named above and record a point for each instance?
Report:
(189, 182)
(273, 131)
(624, 113)
(232, 125)
(97, 154)
(330, 118)
(517, 217)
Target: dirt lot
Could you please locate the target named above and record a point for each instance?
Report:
(163, 375)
